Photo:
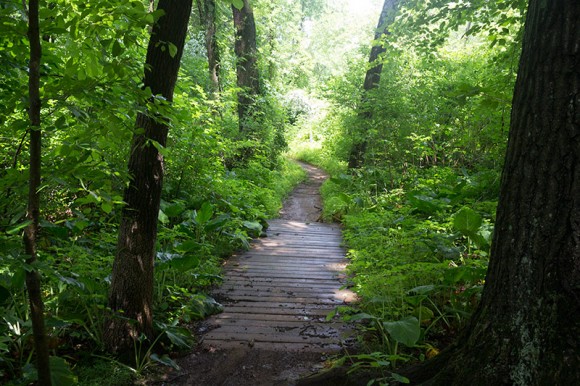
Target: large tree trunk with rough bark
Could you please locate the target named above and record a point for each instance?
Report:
(246, 63)
(33, 212)
(131, 291)
(526, 329)
(372, 79)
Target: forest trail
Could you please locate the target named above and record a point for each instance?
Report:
(276, 296)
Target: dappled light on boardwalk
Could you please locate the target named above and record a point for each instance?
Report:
(277, 295)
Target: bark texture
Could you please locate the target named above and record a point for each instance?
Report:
(207, 13)
(33, 212)
(372, 77)
(246, 62)
(526, 329)
(131, 291)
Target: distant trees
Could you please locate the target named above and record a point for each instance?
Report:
(208, 16)
(248, 80)
(131, 291)
(372, 77)
(525, 330)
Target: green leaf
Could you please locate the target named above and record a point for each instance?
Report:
(164, 360)
(117, 48)
(162, 217)
(400, 378)
(361, 316)
(466, 220)
(107, 207)
(162, 150)
(178, 262)
(174, 209)
(180, 337)
(188, 246)
(239, 4)
(18, 278)
(252, 225)
(205, 213)
(19, 227)
(172, 49)
(60, 373)
(406, 331)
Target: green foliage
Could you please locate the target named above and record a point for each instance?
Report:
(92, 67)
(419, 213)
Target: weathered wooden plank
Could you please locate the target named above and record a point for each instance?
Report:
(302, 242)
(342, 297)
(261, 281)
(289, 299)
(286, 275)
(277, 295)
(259, 310)
(302, 271)
(285, 260)
(277, 346)
(288, 264)
(267, 317)
(271, 337)
(280, 324)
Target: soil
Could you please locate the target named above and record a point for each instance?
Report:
(305, 203)
(253, 366)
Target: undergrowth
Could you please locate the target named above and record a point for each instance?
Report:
(418, 255)
(195, 233)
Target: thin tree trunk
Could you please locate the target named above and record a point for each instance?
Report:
(213, 53)
(372, 79)
(31, 231)
(131, 289)
(526, 328)
(246, 64)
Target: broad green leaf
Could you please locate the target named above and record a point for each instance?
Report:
(180, 263)
(107, 207)
(421, 290)
(164, 360)
(406, 331)
(180, 337)
(174, 209)
(60, 373)
(423, 313)
(205, 213)
(188, 246)
(239, 4)
(252, 225)
(162, 217)
(466, 220)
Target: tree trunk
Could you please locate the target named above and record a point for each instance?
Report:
(526, 328)
(246, 64)
(33, 213)
(208, 14)
(131, 291)
(372, 78)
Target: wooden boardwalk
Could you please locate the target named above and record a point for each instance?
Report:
(277, 295)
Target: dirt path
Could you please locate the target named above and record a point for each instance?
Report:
(305, 203)
(276, 296)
